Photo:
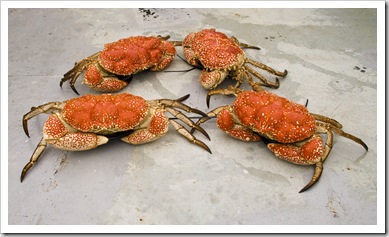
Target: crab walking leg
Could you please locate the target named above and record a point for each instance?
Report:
(257, 86)
(312, 151)
(34, 158)
(177, 104)
(265, 82)
(211, 114)
(319, 165)
(266, 68)
(308, 152)
(45, 108)
(75, 72)
(186, 120)
(176, 43)
(171, 104)
(243, 45)
(325, 119)
(184, 132)
(229, 91)
(346, 135)
(332, 126)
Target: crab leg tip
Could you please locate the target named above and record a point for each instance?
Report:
(315, 177)
(208, 100)
(183, 98)
(25, 128)
(24, 171)
(199, 112)
(277, 85)
(204, 146)
(309, 185)
(74, 89)
(364, 145)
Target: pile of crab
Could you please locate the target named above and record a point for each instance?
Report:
(289, 130)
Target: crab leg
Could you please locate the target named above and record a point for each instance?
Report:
(243, 45)
(319, 165)
(75, 72)
(229, 91)
(266, 68)
(186, 120)
(325, 119)
(45, 108)
(179, 105)
(267, 83)
(184, 132)
(34, 158)
(327, 129)
(176, 43)
(340, 132)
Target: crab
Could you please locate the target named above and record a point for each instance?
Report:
(220, 57)
(111, 69)
(290, 131)
(88, 121)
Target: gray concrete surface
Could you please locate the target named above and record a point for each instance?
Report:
(331, 56)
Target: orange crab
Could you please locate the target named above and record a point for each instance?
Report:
(111, 69)
(290, 131)
(220, 57)
(89, 121)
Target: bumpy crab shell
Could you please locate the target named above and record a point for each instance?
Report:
(111, 69)
(131, 55)
(105, 114)
(274, 117)
(213, 49)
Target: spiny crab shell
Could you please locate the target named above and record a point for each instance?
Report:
(274, 117)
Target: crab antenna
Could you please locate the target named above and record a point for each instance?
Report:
(188, 70)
